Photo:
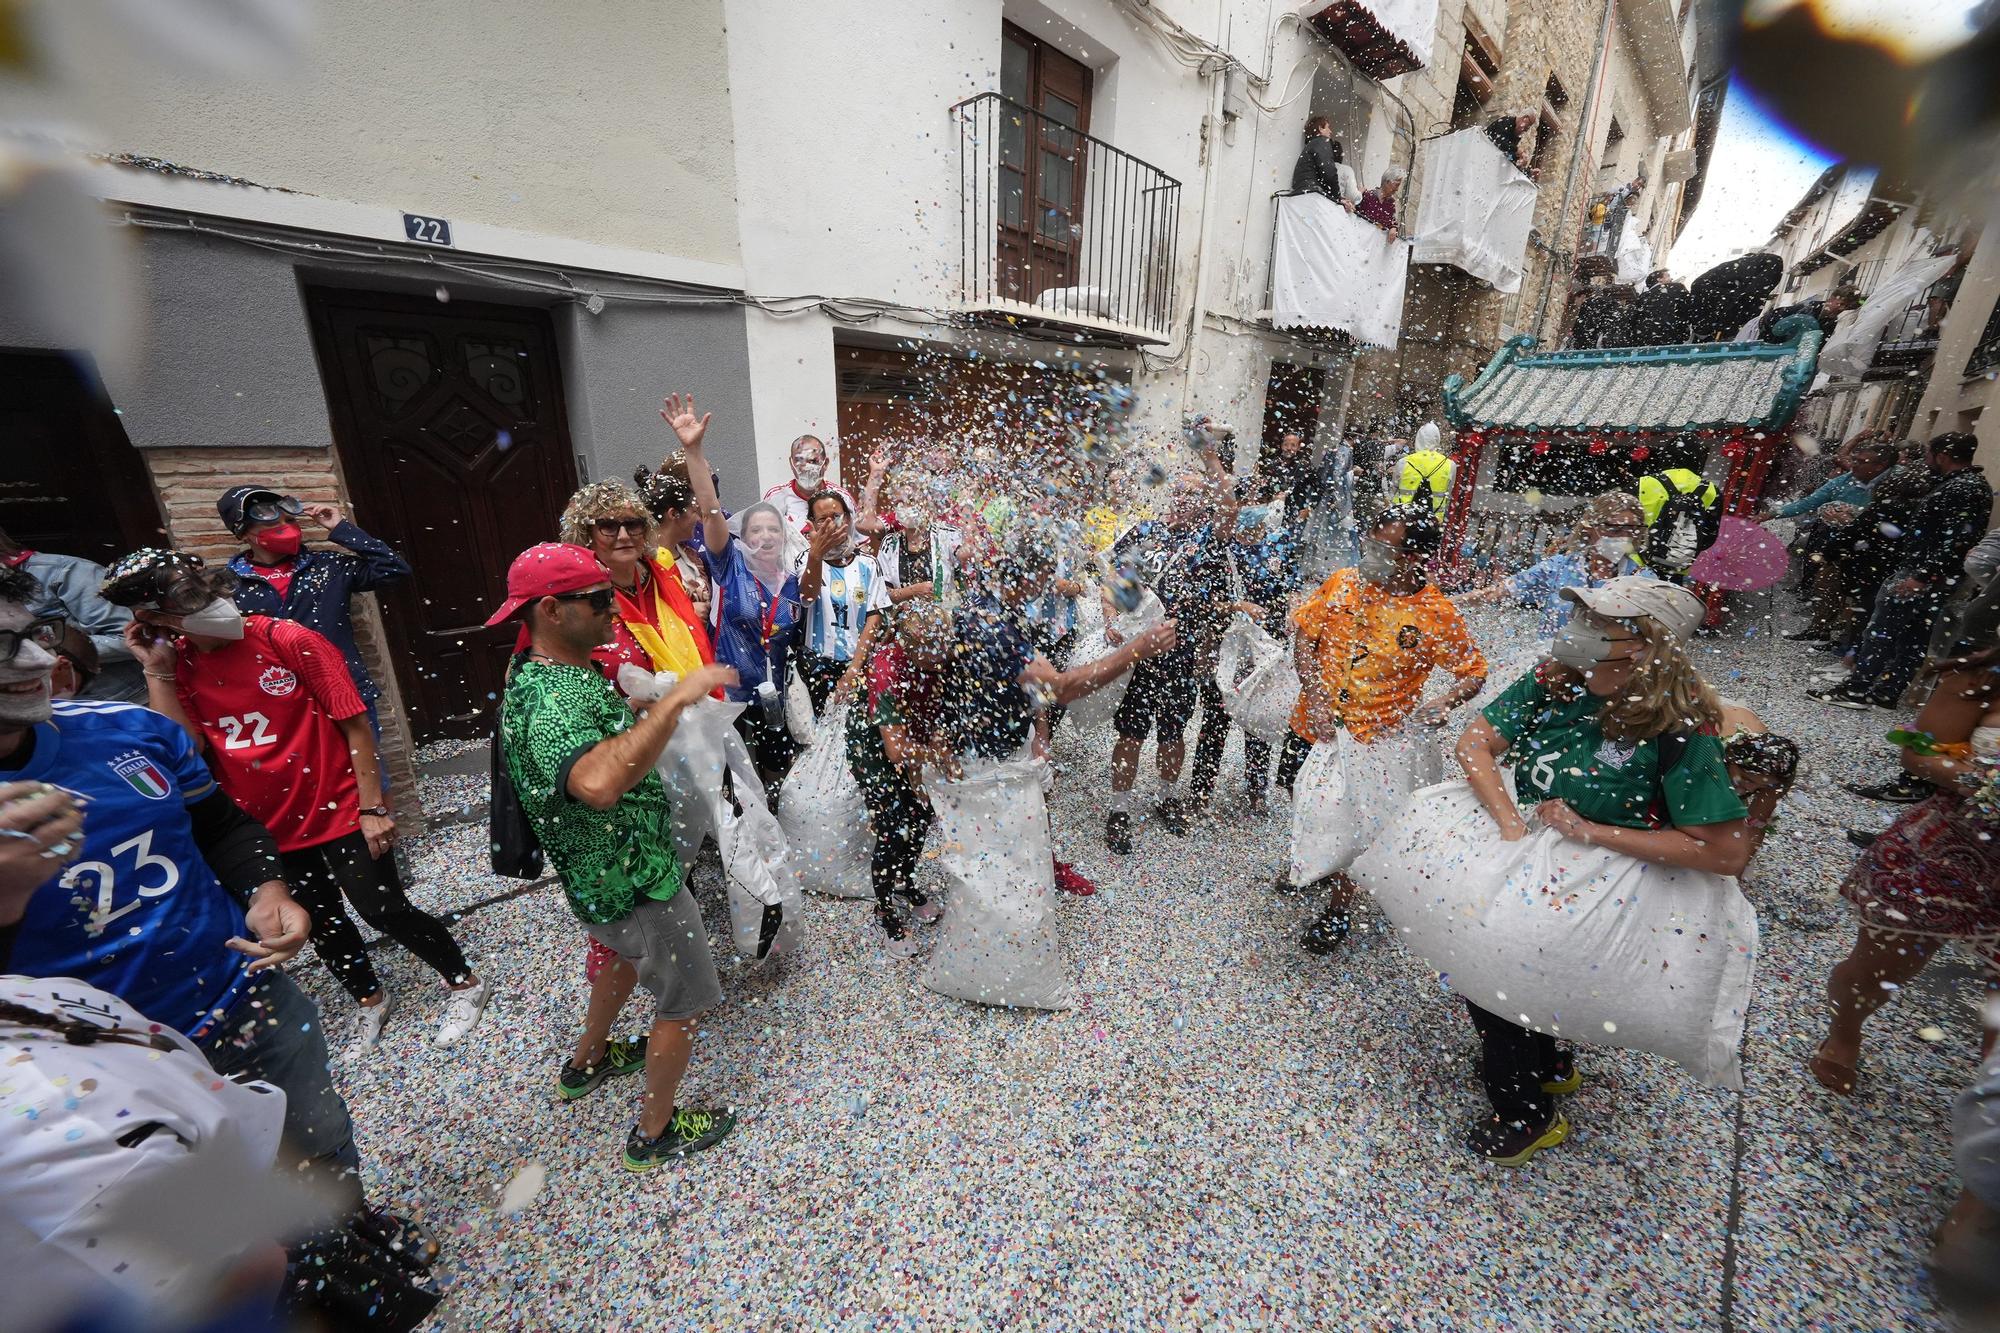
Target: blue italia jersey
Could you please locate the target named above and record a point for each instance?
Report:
(848, 594)
(138, 913)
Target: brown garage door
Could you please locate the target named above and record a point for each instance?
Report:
(452, 432)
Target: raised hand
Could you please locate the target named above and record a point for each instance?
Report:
(678, 412)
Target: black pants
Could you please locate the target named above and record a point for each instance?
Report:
(770, 744)
(820, 674)
(320, 876)
(1893, 645)
(901, 818)
(1214, 735)
(1292, 758)
(1514, 1063)
(1057, 648)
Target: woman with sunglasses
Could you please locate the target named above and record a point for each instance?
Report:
(655, 626)
(271, 703)
(1612, 750)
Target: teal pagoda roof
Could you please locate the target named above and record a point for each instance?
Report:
(1629, 389)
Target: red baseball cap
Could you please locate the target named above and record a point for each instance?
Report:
(548, 569)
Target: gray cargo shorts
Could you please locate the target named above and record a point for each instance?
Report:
(668, 946)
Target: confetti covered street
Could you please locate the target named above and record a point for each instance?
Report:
(1224, 1133)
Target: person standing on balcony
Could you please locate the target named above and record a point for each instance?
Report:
(1318, 167)
(1825, 311)
(1510, 135)
(1379, 204)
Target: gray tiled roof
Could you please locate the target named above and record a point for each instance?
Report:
(1638, 388)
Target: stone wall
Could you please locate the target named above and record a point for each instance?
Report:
(189, 482)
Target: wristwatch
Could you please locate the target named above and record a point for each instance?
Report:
(379, 811)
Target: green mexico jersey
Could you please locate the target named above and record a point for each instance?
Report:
(1559, 753)
(607, 859)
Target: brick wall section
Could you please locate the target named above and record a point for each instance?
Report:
(190, 480)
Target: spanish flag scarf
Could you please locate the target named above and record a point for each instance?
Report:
(661, 616)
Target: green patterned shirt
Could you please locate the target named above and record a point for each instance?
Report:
(607, 859)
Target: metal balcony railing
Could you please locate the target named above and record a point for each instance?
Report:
(1062, 229)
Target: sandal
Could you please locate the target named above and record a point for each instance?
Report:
(1832, 1077)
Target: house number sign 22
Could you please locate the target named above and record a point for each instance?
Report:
(428, 231)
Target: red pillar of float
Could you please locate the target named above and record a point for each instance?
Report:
(1466, 452)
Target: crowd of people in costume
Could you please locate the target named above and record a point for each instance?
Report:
(1566, 856)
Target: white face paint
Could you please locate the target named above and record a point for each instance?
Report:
(24, 682)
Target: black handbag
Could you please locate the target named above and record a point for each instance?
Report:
(517, 853)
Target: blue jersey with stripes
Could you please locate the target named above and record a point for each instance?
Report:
(138, 912)
(847, 595)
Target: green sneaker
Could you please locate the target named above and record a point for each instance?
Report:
(620, 1058)
(686, 1134)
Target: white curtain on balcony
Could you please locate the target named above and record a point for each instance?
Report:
(1474, 211)
(1331, 270)
(1851, 349)
(1635, 253)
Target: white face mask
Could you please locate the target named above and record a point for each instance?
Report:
(1378, 561)
(809, 474)
(1613, 548)
(220, 619)
(26, 701)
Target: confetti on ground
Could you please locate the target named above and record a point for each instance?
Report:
(1223, 1133)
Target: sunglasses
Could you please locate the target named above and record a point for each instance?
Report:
(189, 593)
(611, 527)
(271, 511)
(600, 600)
(45, 633)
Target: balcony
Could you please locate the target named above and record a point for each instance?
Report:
(1330, 270)
(1614, 248)
(1474, 210)
(1063, 236)
(1381, 38)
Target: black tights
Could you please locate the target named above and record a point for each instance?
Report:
(901, 818)
(1514, 1063)
(1292, 758)
(319, 876)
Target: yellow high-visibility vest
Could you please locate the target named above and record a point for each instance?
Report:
(1425, 469)
(1653, 496)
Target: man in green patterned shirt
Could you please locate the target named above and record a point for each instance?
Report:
(583, 768)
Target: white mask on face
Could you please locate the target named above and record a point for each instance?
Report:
(809, 475)
(220, 619)
(1613, 548)
(24, 686)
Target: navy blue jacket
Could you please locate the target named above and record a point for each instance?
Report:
(322, 582)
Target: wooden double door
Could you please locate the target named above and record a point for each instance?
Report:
(454, 437)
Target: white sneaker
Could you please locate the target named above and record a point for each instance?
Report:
(374, 1017)
(462, 1011)
(905, 947)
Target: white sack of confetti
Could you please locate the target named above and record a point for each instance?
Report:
(1581, 942)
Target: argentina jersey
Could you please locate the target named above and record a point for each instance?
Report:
(847, 593)
(138, 913)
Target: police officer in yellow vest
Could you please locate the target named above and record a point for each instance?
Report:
(1689, 506)
(1426, 468)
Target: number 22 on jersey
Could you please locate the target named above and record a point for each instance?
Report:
(246, 732)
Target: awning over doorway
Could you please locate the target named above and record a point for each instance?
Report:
(1474, 210)
(1332, 270)
(1382, 38)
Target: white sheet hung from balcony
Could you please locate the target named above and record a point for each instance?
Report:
(1851, 349)
(1331, 270)
(1635, 254)
(1474, 211)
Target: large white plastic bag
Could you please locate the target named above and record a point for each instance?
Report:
(824, 817)
(1570, 939)
(1095, 709)
(799, 710)
(1260, 699)
(998, 944)
(1347, 793)
(755, 867)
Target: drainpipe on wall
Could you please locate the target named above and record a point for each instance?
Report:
(1583, 133)
(1211, 131)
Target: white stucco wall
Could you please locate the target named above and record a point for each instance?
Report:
(847, 158)
(606, 122)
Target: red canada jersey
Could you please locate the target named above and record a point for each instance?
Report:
(267, 705)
